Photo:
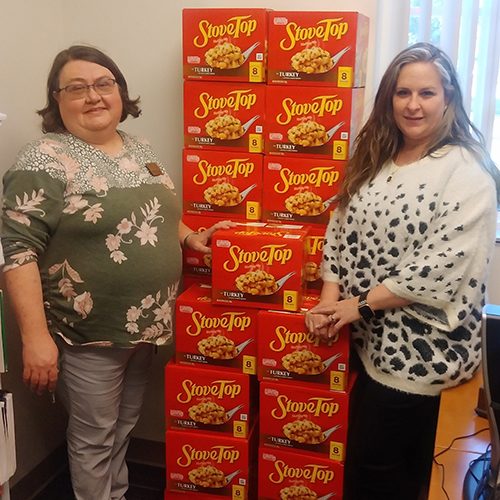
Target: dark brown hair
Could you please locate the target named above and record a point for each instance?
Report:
(52, 121)
(380, 139)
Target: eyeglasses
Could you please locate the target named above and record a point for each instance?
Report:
(79, 90)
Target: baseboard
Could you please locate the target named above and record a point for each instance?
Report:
(147, 452)
(40, 476)
(140, 451)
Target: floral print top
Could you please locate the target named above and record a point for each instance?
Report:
(104, 232)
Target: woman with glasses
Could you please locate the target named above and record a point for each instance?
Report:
(92, 238)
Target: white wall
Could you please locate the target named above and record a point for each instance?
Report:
(146, 43)
(30, 35)
(144, 38)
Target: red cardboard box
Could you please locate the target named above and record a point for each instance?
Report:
(178, 496)
(210, 400)
(315, 242)
(224, 44)
(207, 468)
(188, 281)
(225, 116)
(300, 190)
(304, 418)
(197, 263)
(312, 122)
(288, 352)
(259, 265)
(291, 475)
(318, 48)
(222, 183)
(214, 335)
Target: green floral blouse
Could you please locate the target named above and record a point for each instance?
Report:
(104, 231)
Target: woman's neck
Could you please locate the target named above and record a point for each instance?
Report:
(111, 145)
(409, 154)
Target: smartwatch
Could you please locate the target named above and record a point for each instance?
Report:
(364, 309)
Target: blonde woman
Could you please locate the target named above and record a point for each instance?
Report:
(405, 265)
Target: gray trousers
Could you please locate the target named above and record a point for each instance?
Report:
(102, 389)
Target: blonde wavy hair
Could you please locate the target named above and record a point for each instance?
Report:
(380, 139)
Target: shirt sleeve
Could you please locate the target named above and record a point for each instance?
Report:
(32, 205)
(445, 274)
(330, 266)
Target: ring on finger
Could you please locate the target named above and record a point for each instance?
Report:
(332, 318)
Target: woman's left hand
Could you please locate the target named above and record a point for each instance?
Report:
(335, 315)
(199, 242)
(320, 325)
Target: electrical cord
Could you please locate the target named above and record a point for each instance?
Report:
(482, 481)
(448, 448)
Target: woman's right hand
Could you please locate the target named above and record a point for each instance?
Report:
(40, 363)
(40, 353)
(200, 242)
(319, 324)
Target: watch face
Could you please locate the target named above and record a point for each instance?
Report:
(366, 311)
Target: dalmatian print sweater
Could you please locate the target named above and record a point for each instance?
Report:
(425, 231)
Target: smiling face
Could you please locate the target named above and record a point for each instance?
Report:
(93, 118)
(419, 103)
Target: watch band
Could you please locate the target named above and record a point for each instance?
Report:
(364, 308)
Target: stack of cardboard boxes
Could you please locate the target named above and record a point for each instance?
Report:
(272, 104)
(212, 399)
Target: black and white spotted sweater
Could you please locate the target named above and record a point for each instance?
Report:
(426, 231)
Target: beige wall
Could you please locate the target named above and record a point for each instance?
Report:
(146, 43)
(30, 34)
(144, 38)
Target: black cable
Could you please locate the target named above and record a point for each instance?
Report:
(458, 438)
(482, 458)
(442, 478)
(482, 482)
(448, 448)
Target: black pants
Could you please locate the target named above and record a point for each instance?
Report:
(390, 442)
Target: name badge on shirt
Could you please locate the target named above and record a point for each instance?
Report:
(154, 169)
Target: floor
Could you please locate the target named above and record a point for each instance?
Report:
(147, 482)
